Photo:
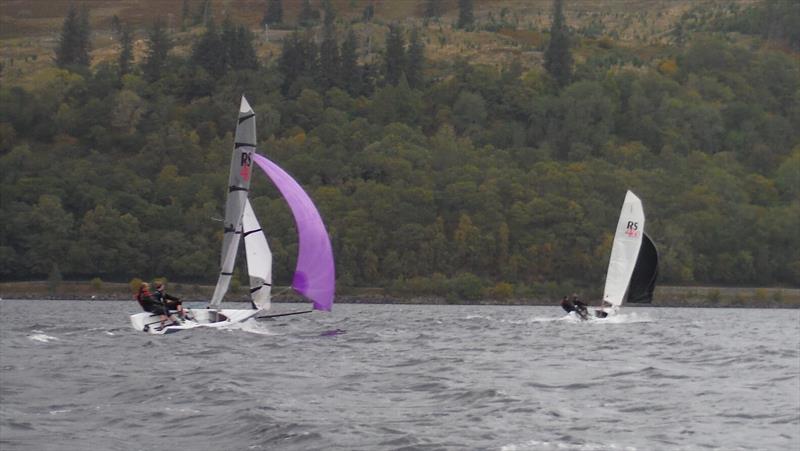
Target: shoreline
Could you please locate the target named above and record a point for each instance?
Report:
(665, 296)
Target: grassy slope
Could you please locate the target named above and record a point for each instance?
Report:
(29, 30)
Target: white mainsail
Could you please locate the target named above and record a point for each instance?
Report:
(625, 250)
(238, 187)
(259, 259)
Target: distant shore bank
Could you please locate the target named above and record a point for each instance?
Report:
(665, 296)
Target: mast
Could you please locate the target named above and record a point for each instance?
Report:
(238, 188)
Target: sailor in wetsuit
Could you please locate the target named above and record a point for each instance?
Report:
(145, 299)
(574, 305)
(169, 301)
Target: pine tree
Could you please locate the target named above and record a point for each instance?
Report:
(126, 52)
(368, 13)
(65, 53)
(330, 13)
(415, 60)
(298, 59)
(158, 46)
(116, 25)
(351, 73)
(203, 14)
(229, 45)
(466, 17)
(557, 57)
(289, 63)
(84, 39)
(307, 15)
(395, 58)
(433, 9)
(274, 13)
(184, 14)
(210, 53)
(243, 55)
(329, 61)
(73, 47)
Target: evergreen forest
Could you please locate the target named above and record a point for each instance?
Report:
(464, 149)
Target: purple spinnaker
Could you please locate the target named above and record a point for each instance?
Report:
(314, 276)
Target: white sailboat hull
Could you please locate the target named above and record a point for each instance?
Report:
(151, 323)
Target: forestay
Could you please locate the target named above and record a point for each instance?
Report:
(625, 250)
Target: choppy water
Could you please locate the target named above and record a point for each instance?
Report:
(74, 376)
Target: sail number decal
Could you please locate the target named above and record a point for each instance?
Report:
(247, 160)
(632, 229)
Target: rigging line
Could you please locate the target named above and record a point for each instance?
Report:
(282, 291)
(284, 314)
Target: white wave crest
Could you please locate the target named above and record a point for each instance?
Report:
(41, 337)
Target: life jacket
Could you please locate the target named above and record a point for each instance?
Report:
(143, 297)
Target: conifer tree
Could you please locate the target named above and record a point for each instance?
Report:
(242, 54)
(158, 46)
(203, 14)
(126, 51)
(299, 59)
(351, 72)
(74, 46)
(466, 17)
(395, 58)
(210, 53)
(227, 38)
(557, 57)
(307, 15)
(415, 60)
(433, 9)
(116, 25)
(330, 13)
(84, 38)
(274, 13)
(65, 53)
(289, 63)
(329, 61)
(368, 13)
(184, 14)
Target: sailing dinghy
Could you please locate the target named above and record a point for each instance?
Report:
(314, 275)
(633, 266)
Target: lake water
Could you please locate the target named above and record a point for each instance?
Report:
(75, 376)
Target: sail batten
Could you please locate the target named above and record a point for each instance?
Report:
(314, 275)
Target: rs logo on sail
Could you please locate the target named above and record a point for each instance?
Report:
(632, 229)
(247, 160)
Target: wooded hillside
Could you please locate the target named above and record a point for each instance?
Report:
(443, 155)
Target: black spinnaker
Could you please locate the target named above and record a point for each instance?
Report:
(645, 273)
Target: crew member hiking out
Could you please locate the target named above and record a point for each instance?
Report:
(169, 301)
(574, 305)
(149, 304)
